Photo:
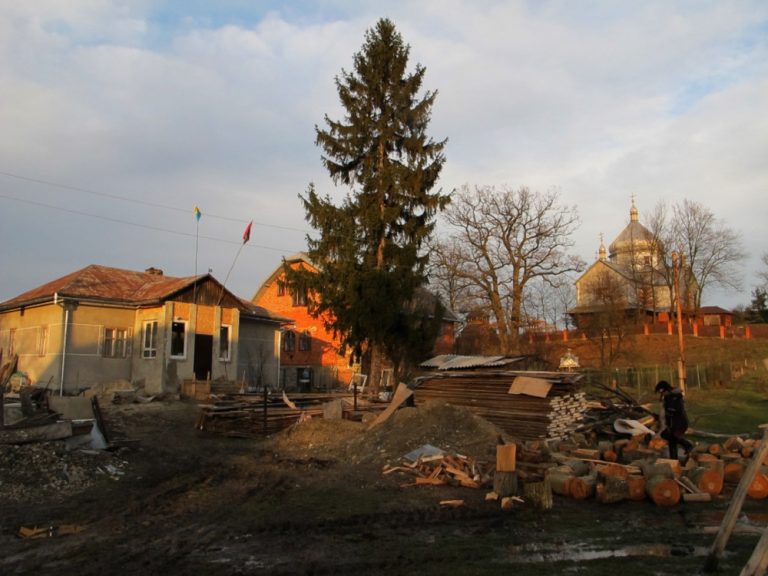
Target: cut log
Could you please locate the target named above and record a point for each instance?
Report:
(607, 470)
(582, 487)
(657, 443)
(560, 481)
(615, 489)
(506, 457)
(733, 471)
(539, 494)
(663, 490)
(758, 489)
(505, 483)
(708, 480)
(636, 487)
(672, 463)
(699, 497)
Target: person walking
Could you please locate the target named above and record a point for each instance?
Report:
(675, 418)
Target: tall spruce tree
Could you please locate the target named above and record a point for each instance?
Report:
(369, 249)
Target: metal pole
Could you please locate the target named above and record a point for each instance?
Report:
(680, 340)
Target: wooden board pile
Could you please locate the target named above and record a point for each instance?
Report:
(248, 415)
(633, 469)
(523, 416)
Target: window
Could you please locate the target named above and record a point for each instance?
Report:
(178, 339)
(299, 297)
(149, 347)
(224, 335)
(289, 341)
(115, 343)
(305, 341)
(281, 288)
(42, 342)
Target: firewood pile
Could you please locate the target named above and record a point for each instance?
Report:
(548, 404)
(636, 469)
(443, 469)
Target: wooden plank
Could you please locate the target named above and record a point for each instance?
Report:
(55, 431)
(401, 395)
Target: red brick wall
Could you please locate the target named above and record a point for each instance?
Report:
(324, 346)
(323, 352)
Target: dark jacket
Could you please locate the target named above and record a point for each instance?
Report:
(674, 411)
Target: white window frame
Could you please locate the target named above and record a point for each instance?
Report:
(117, 345)
(225, 355)
(183, 354)
(149, 349)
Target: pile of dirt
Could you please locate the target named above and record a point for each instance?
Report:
(450, 428)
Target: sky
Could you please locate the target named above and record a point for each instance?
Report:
(118, 117)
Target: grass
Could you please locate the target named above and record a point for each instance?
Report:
(736, 409)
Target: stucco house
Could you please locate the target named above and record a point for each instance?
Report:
(309, 355)
(102, 324)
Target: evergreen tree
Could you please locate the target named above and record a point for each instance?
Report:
(369, 249)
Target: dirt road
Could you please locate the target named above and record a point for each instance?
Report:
(313, 500)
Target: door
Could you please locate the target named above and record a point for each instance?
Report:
(203, 356)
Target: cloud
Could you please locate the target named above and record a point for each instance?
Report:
(184, 103)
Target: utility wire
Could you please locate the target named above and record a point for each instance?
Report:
(138, 225)
(136, 201)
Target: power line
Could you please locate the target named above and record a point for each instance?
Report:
(138, 225)
(137, 201)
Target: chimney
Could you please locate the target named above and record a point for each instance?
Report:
(154, 271)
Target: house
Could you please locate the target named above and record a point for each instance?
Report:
(309, 355)
(102, 324)
(714, 316)
(630, 278)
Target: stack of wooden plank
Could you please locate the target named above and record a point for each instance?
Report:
(524, 416)
(249, 415)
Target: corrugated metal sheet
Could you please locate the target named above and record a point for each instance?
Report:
(458, 362)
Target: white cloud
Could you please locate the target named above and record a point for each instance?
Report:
(656, 99)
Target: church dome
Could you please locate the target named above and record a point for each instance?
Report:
(635, 237)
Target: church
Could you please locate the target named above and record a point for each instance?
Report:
(630, 282)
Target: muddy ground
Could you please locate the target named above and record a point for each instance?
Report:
(313, 500)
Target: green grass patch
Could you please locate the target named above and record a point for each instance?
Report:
(737, 409)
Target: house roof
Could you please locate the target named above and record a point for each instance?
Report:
(714, 310)
(423, 300)
(122, 287)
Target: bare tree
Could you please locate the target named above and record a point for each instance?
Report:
(501, 241)
(607, 328)
(710, 250)
(763, 274)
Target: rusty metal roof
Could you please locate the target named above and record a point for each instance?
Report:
(123, 287)
(458, 362)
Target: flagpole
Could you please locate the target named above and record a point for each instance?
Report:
(197, 236)
(246, 237)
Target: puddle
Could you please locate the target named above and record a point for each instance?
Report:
(535, 553)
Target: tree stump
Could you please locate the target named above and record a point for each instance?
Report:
(505, 483)
(539, 494)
